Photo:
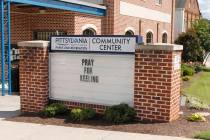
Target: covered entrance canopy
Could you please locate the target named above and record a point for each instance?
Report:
(5, 40)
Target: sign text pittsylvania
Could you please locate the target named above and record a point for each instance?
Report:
(64, 40)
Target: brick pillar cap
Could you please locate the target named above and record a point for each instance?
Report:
(161, 46)
(38, 43)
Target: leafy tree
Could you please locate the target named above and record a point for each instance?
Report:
(202, 29)
(192, 46)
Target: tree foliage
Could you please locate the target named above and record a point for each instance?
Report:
(192, 51)
(202, 29)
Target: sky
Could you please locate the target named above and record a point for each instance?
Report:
(205, 8)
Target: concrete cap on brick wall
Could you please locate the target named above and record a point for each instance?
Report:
(38, 43)
(161, 46)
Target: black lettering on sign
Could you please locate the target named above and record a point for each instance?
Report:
(88, 70)
(87, 75)
(87, 62)
(88, 78)
(110, 47)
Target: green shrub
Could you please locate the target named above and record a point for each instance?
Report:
(186, 78)
(196, 117)
(187, 70)
(192, 51)
(82, 114)
(55, 109)
(206, 69)
(203, 135)
(198, 68)
(196, 103)
(120, 114)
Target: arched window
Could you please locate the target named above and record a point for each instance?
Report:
(89, 32)
(129, 33)
(149, 37)
(164, 38)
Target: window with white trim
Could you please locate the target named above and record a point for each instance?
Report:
(129, 33)
(149, 37)
(89, 32)
(164, 38)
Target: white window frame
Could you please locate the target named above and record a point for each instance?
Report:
(158, 2)
(149, 30)
(165, 32)
(89, 26)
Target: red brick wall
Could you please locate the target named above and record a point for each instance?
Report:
(192, 12)
(26, 20)
(53, 22)
(20, 28)
(117, 23)
(34, 79)
(81, 20)
(157, 84)
(99, 108)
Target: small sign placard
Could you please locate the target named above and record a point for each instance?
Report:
(177, 62)
(113, 44)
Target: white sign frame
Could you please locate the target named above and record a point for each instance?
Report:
(97, 44)
(126, 53)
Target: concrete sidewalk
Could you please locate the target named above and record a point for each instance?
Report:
(27, 131)
(9, 106)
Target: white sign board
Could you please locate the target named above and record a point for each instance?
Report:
(104, 79)
(177, 62)
(95, 76)
(119, 44)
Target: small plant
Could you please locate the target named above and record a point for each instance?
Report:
(203, 135)
(120, 114)
(196, 103)
(82, 114)
(55, 109)
(196, 117)
(187, 70)
(186, 78)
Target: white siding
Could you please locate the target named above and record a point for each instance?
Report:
(179, 22)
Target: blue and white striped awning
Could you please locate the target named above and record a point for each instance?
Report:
(70, 5)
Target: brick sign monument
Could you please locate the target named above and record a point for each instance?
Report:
(101, 71)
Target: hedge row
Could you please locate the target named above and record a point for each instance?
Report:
(121, 113)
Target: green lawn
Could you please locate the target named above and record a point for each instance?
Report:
(203, 135)
(199, 86)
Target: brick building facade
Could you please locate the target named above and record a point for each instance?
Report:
(121, 16)
(187, 11)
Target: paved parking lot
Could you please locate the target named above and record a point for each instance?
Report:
(9, 106)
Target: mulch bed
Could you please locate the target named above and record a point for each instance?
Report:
(180, 128)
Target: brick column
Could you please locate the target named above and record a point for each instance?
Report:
(157, 83)
(33, 75)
